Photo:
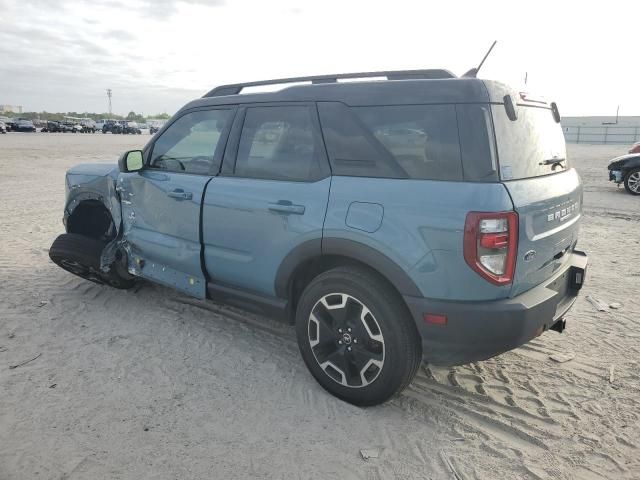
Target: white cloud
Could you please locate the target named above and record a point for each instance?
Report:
(156, 55)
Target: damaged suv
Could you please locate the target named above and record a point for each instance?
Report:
(422, 217)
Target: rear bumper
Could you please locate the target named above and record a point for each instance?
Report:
(480, 330)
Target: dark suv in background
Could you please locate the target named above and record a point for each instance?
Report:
(52, 126)
(425, 216)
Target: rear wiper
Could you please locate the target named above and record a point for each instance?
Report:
(553, 162)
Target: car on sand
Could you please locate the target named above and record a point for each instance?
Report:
(390, 222)
(625, 170)
(23, 125)
(111, 126)
(130, 127)
(52, 126)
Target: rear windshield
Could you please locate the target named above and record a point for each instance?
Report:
(531, 146)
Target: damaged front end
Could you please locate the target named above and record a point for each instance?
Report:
(616, 176)
(619, 167)
(93, 209)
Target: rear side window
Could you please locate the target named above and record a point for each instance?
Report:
(529, 146)
(477, 143)
(400, 141)
(278, 143)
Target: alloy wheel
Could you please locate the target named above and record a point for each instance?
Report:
(634, 182)
(346, 340)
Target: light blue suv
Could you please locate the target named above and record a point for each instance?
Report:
(421, 216)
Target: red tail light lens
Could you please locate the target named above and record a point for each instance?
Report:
(435, 319)
(491, 244)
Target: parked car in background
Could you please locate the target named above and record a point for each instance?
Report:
(635, 148)
(112, 126)
(24, 126)
(88, 125)
(73, 127)
(155, 125)
(625, 170)
(9, 123)
(130, 127)
(390, 221)
(52, 127)
(3, 127)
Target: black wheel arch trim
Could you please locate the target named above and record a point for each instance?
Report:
(355, 250)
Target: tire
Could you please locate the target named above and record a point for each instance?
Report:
(632, 181)
(356, 336)
(80, 255)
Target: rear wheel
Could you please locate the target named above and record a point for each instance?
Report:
(632, 182)
(80, 255)
(356, 336)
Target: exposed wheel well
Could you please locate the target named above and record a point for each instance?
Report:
(310, 269)
(92, 219)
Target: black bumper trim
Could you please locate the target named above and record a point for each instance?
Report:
(480, 330)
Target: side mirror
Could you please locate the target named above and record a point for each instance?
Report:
(131, 161)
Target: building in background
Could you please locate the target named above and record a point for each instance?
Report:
(10, 108)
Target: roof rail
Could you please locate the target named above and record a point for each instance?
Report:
(235, 88)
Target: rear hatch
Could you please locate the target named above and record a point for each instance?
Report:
(546, 191)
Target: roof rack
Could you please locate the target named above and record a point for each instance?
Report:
(236, 88)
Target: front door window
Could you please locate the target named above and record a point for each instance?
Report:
(189, 144)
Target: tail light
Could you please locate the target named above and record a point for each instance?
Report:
(491, 244)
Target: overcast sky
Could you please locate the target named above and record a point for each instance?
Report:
(59, 55)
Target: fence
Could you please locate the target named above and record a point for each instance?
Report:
(606, 134)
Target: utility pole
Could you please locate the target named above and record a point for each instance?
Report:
(109, 95)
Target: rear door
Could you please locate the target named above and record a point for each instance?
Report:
(546, 191)
(270, 199)
(161, 203)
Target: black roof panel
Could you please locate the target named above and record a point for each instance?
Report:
(385, 92)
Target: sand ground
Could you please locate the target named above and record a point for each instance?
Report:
(147, 384)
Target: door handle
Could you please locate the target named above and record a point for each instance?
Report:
(285, 206)
(180, 194)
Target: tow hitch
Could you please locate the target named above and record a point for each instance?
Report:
(559, 326)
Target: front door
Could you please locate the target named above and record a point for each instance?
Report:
(161, 203)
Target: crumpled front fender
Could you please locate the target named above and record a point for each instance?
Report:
(84, 185)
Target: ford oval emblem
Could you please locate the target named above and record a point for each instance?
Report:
(530, 255)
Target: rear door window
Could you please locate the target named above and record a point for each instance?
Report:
(530, 145)
(278, 143)
(399, 141)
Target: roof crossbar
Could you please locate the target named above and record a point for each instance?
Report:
(236, 88)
